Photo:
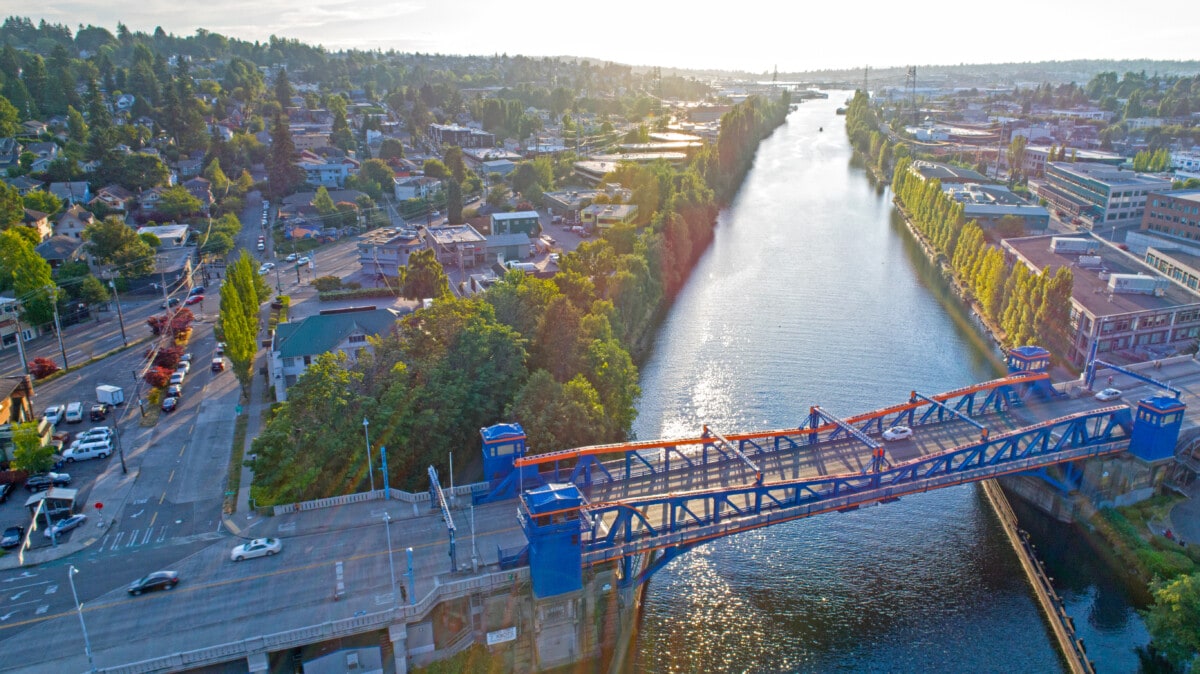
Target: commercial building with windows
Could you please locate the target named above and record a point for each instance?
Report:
(462, 136)
(1129, 310)
(1098, 194)
(988, 205)
(522, 222)
(603, 216)
(295, 345)
(1173, 214)
(384, 251)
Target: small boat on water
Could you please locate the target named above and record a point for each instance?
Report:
(820, 128)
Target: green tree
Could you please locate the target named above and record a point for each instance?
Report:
(391, 149)
(239, 317)
(559, 416)
(218, 243)
(43, 201)
(77, 129)
(283, 175)
(454, 203)
(1174, 620)
(424, 277)
(323, 202)
(112, 242)
(176, 202)
(28, 275)
(454, 163)
(12, 206)
(91, 291)
(220, 181)
(10, 119)
(435, 169)
(28, 452)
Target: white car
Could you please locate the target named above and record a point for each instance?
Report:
(176, 378)
(268, 265)
(897, 433)
(1108, 394)
(54, 414)
(259, 547)
(184, 367)
(302, 261)
(63, 526)
(291, 257)
(263, 271)
(97, 433)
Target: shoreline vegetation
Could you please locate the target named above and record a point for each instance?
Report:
(1017, 307)
(552, 354)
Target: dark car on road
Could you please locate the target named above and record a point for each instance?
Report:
(99, 412)
(12, 537)
(159, 580)
(194, 299)
(5, 490)
(46, 480)
(174, 301)
(170, 404)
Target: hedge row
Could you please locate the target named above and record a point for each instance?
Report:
(334, 295)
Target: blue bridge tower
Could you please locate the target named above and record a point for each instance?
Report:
(1156, 426)
(503, 444)
(549, 516)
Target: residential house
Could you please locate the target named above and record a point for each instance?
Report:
(296, 344)
(201, 188)
(10, 152)
(189, 167)
(23, 184)
(33, 128)
(331, 173)
(171, 236)
(10, 322)
(77, 192)
(114, 197)
(59, 250)
(73, 221)
(415, 187)
(43, 155)
(38, 222)
(149, 198)
(16, 407)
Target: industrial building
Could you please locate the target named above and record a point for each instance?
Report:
(1174, 214)
(988, 205)
(1098, 195)
(1123, 305)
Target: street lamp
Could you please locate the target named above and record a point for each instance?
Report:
(87, 644)
(387, 527)
(370, 468)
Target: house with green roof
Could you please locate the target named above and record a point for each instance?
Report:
(296, 344)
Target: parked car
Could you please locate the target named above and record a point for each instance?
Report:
(268, 265)
(54, 414)
(194, 299)
(262, 246)
(175, 391)
(170, 404)
(97, 433)
(64, 525)
(171, 302)
(1108, 394)
(185, 358)
(291, 257)
(46, 480)
(159, 580)
(259, 547)
(74, 413)
(198, 290)
(184, 366)
(99, 412)
(218, 365)
(220, 348)
(176, 378)
(897, 433)
(12, 537)
(302, 261)
(5, 489)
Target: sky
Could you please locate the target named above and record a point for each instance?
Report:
(752, 35)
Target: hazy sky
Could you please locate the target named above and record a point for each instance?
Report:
(754, 35)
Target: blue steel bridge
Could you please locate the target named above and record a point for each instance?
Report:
(641, 504)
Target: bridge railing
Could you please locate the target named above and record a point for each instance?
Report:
(772, 514)
(358, 497)
(293, 638)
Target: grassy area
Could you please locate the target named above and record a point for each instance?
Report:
(1142, 551)
(234, 481)
(475, 660)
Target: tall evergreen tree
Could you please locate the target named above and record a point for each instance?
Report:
(283, 175)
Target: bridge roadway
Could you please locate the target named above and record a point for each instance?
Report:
(221, 602)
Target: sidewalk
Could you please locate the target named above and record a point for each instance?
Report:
(244, 517)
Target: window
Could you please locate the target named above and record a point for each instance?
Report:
(357, 339)
(289, 362)
(307, 361)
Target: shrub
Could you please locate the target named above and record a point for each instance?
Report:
(155, 397)
(355, 294)
(168, 357)
(182, 321)
(324, 284)
(157, 324)
(158, 377)
(41, 368)
(1165, 564)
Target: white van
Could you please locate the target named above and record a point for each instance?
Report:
(92, 449)
(74, 413)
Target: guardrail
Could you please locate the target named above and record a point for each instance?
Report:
(279, 641)
(358, 497)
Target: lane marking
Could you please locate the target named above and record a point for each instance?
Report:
(182, 449)
(152, 519)
(117, 540)
(149, 532)
(162, 498)
(171, 477)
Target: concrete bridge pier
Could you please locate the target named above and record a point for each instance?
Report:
(257, 662)
(398, 635)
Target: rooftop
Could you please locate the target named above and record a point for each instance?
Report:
(324, 332)
(1183, 195)
(1109, 175)
(947, 173)
(449, 235)
(1090, 291)
(515, 215)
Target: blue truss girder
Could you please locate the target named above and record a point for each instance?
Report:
(943, 409)
(843, 426)
(633, 526)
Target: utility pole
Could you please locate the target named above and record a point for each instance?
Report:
(21, 342)
(57, 327)
(120, 314)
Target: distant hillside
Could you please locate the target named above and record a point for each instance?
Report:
(1003, 74)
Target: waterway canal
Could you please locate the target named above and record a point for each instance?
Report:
(813, 293)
